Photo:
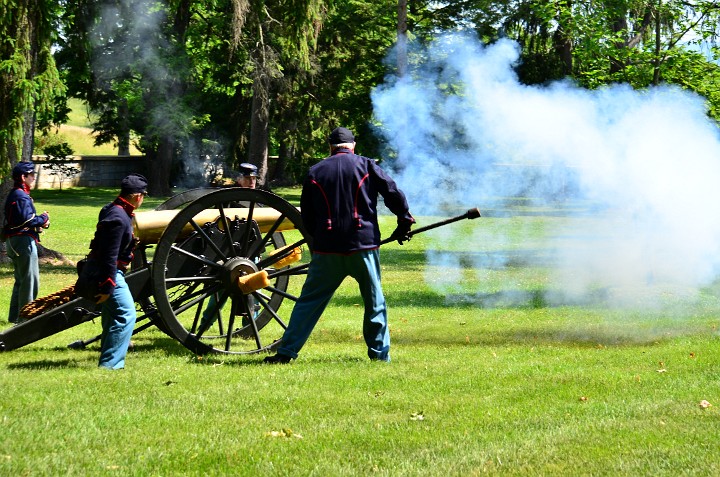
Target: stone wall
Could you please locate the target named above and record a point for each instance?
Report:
(95, 171)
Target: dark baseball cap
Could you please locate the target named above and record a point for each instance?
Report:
(341, 136)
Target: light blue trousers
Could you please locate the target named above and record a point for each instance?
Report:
(118, 320)
(325, 274)
(22, 250)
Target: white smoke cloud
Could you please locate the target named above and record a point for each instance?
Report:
(645, 164)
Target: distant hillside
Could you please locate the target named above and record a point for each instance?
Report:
(78, 134)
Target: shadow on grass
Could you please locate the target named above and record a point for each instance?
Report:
(257, 360)
(169, 346)
(76, 196)
(463, 260)
(46, 364)
(86, 196)
(505, 299)
(403, 259)
(585, 338)
(91, 352)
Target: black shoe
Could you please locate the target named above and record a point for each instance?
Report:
(277, 359)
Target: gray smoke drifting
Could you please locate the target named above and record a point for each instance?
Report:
(134, 57)
(642, 169)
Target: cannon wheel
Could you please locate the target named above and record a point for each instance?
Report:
(179, 200)
(195, 274)
(146, 305)
(277, 239)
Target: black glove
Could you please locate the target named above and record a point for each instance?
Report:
(401, 232)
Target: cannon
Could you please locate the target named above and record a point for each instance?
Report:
(212, 271)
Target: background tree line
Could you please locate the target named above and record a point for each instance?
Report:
(245, 79)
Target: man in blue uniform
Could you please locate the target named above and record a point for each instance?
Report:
(111, 251)
(339, 210)
(22, 229)
(248, 175)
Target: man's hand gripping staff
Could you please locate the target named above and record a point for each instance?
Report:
(403, 233)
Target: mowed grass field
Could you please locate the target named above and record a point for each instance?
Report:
(486, 378)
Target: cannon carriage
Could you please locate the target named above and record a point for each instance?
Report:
(214, 270)
(231, 255)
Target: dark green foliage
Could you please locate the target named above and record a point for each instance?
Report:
(58, 151)
(179, 75)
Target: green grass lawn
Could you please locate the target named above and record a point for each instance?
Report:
(487, 378)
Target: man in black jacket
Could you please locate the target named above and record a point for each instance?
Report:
(111, 252)
(339, 209)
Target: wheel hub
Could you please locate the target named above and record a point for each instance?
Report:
(237, 267)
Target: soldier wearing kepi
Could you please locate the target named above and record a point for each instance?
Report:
(111, 252)
(247, 179)
(248, 176)
(22, 231)
(339, 209)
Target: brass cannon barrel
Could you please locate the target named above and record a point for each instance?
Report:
(149, 226)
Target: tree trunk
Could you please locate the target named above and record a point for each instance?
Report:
(658, 48)
(28, 139)
(402, 38)
(123, 129)
(259, 126)
(619, 25)
(285, 156)
(5, 188)
(12, 153)
(158, 168)
(563, 43)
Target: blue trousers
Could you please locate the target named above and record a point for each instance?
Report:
(23, 252)
(118, 320)
(325, 274)
(212, 311)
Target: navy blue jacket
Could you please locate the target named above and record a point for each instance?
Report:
(20, 214)
(339, 203)
(113, 245)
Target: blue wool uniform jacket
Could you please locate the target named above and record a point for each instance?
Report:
(113, 245)
(20, 214)
(339, 203)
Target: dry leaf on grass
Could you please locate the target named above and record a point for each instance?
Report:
(283, 433)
